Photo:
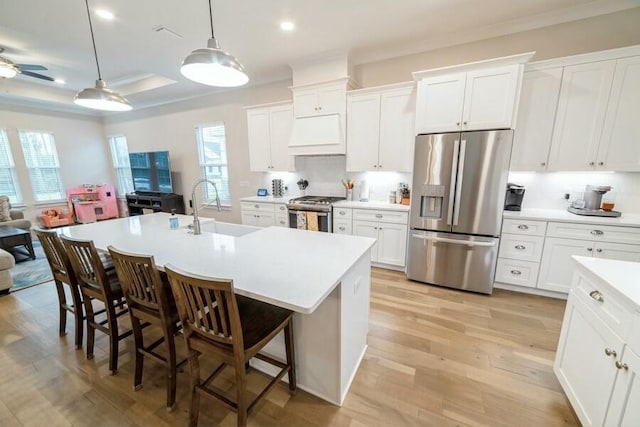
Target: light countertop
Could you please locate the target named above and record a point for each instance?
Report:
(295, 269)
(371, 205)
(265, 199)
(620, 275)
(626, 220)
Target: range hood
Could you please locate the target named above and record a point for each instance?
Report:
(317, 131)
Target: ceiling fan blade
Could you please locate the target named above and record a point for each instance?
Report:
(32, 67)
(36, 75)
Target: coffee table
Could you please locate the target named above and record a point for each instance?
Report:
(10, 237)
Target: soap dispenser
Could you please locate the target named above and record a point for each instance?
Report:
(173, 220)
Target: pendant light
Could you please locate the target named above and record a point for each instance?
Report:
(99, 97)
(212, 66)
(7, 68)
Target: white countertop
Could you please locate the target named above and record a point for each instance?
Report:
(265, 199)
(626, 220)
(371, 205)
(295, 269)
(620, 275)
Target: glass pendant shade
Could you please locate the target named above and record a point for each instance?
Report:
(214, 67)
(101, 98)
(7, 68)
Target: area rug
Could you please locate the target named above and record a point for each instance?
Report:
(29, 272)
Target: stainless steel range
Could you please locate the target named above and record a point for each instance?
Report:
(321, 205)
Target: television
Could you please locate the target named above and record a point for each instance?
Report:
(151, 172)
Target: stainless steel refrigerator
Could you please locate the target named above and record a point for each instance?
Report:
(459, 182)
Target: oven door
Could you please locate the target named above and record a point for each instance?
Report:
(324, 220)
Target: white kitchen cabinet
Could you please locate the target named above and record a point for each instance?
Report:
(282, 215)
(618, 251)
(342, 226)
(392, 247)
(368, 229)
(380, 130)
(259, 214)
(536, 116)
(269, 131)
(582, 106)
(556, 269)
(319, 100)
(585, 361)
(624, 409)
(619, 148)
(478, 99)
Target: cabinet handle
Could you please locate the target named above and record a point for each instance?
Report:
(342, 212)
(600, 163)
(319, 108)
(341, 228)
(457, 123)
(378, 215)
(622, 366)
(256, 206)
(599, 250)
(379, 166)
(520, 247)
(597, 232)
(597, 295)
(282, 208)
(610, 352)
(281, 222)
(516, 272)
(592, 163)
(375, 228)
(523, 227)
(590, 249)
(375, 166)
(543, 163)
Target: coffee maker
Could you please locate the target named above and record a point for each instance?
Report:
(591, 203)
(513, 198)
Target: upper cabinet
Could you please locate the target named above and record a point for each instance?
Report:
(380, 129)
(580, 116)
(536, 115)
(482, 98)
(269, 131)
(319, 100)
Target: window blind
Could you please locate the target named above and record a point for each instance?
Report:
(8, 182)
(121, 164)
(41, 157)
(212, 150)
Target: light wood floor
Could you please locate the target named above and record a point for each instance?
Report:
(436, 357)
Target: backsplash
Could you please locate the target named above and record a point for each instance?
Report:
(325, 175)
(546, 190)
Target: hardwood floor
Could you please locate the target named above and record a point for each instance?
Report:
(436, 357)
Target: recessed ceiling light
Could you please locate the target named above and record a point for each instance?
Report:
(59, 81)
(287, 26)
(105, 14)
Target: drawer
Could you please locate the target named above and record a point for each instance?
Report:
(342, 213)
(520, 273)
(607, 306)
(281, 209)
(521, 247)
(257, 206)
(597, 233)
(394, 217)
(517, 226)
(282, 218)
(342, 226)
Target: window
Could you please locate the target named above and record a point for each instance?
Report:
(120, 158)
(40, 154)
(212, 151)
(8, 182)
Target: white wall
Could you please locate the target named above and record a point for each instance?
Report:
(79, 140)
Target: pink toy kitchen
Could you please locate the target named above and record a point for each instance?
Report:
(93, 203)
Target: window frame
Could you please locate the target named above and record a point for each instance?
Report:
(57, 167)
(11, 170)
(208, 199)
(121, 170)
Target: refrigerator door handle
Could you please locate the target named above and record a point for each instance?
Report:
(454, 173)
(456, 209)
(455, 241)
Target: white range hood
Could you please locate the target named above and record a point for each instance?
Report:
(317, 131)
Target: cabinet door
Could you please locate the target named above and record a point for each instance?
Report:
(618, 251)
(537, 111)
(619, 147)
(332, 99)
(583, 368)
(281, 123)
(392, 243)
(624, 409)
(363, 132)
(282, 220)
(249, 218)
(367, 229)
(556, 267)
(581, 110)
(490, 98)
(439, 103)
(259, 145)
(305, 102)
(265, 219)
(397, 124)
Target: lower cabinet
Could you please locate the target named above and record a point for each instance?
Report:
(259, 219)
(624, 409)
(391, 247)
(263, 214)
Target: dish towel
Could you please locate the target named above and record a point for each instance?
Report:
(301, 220)
(312, 221)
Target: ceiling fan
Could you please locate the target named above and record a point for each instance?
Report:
(9, 69)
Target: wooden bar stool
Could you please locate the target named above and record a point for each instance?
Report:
(63, 274)
(232, 328)
(95, 283)
(149, 300)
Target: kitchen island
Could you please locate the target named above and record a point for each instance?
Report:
(324, 278)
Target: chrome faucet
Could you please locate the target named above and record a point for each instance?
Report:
(196, 221)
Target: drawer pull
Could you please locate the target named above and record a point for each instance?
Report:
(590, 249)
(523, 227)
(378, 215)
(342, 212)
(281, 222)
(599, 250)
(610, 352)
(622, 366)
(597, 232)
(256, 206)
(516, 272)
(520, 247)
(596, 295)
(341, 228)
(282, 208)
